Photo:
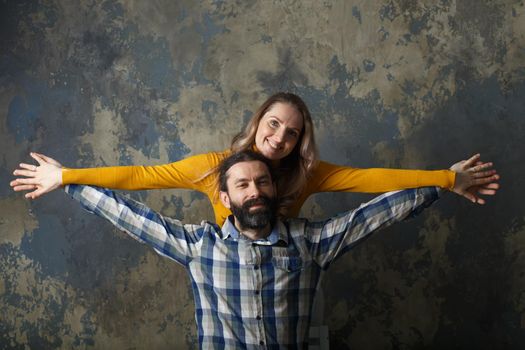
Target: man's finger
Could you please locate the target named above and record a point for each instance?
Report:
(38, 193)
(493, 185)
(29, 195)
(470, 197)
(480, 201)
(486, 192)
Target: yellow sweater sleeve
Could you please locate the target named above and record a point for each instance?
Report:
(334, 178)
(189, 173)
(183, 174)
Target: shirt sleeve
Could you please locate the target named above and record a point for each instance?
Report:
(335, 178)
(330, 239)
(188, 173)
(167, 236)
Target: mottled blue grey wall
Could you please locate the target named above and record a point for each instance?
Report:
(401, 83)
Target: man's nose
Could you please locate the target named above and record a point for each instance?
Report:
(254, 191)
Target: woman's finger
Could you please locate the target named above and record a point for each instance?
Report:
(24, 181)
(27, 166)
(27, 173)
(482, 166)
(472, 160)
(36, 157)
(19, 188)
(486, 180)
(480, 174)
(48, 159)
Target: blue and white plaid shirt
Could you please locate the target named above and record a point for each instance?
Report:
(253, 294)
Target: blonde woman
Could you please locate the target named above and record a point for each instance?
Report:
(282, 131)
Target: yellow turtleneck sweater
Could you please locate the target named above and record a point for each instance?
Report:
(190, 173)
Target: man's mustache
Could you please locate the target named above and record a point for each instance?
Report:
(262, 200)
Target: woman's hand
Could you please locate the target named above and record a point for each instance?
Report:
(474, 177)
(42, 179)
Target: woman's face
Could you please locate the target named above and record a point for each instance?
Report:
(278, 131)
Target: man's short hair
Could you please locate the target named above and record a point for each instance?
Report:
(239, 157)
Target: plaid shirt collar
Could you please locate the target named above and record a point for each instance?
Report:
(279, 233)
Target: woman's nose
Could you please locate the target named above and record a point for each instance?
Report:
(279, 135)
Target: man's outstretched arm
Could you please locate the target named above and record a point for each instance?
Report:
(333, 237)
(167, 236)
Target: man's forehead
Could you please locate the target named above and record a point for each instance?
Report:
(249, 169)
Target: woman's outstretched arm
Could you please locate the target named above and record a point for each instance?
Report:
(195, 173)
(189, 173)
(467, 174)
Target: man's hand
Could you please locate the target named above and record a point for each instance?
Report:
(42, 179)
(474, 177)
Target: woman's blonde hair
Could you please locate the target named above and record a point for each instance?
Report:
(294, 170)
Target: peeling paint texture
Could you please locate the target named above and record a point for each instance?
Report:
(399, 83)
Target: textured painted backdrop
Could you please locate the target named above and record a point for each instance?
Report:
(401, 83)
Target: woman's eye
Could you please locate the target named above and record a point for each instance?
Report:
(293, 133)
(274, 123)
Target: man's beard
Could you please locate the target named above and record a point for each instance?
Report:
(258, 218)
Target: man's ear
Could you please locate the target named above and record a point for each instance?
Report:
(225, 199)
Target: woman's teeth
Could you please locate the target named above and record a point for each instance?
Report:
(273, 145)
